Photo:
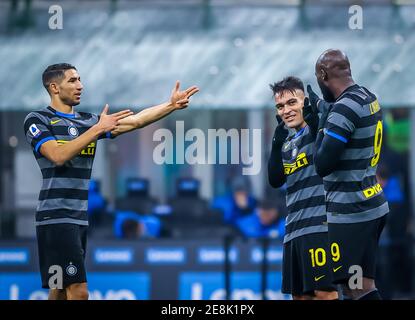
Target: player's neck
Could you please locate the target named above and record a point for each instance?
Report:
(342, 87)
(61, 107)
(301, 126)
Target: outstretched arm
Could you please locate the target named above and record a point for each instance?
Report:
(178, 100)
(60, 153)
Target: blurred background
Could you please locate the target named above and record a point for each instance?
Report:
(195, 231)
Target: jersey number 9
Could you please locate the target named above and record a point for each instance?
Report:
(377, 144)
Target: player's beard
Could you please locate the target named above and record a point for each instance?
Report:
(327, 94)
(70, 102)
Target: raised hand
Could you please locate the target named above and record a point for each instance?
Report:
(108, 122)
(310, 115)
(280, 133)
(320, 105)
(180, 99)
(313, 98)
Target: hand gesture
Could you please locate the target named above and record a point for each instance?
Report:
(310, 115)
(108, 122)
(280, 133)
(313, 98)
(180, 99)
(319, 105)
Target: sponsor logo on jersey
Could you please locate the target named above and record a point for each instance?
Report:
(371, 191)
(89, 151)
(374, 107)
(300, 163)
(319, 278)
(55, 121)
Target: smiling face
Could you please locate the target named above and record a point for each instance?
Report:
(289, 105)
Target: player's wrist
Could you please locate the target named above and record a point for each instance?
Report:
(171, 106)
(97, 130)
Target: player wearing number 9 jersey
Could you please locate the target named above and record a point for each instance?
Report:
(347, 152)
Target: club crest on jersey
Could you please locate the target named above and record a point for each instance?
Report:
(34, 131)
(300, 162)
(73, 131)
(71, 270)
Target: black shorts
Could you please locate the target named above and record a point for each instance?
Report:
(355, 244)
(306, 265)
(62, 246)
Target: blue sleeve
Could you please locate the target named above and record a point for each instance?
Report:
(37, 132)
(327, 153)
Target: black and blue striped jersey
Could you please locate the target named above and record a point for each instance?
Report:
(352, 191)
(305, 191)
(63, 197)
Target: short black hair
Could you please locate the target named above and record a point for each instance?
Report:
(55, 72)
(290, 84)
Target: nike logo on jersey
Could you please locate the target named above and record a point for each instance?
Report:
(318, 278)
(335, 269)
(55, 121)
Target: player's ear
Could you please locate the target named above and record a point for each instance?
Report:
(323, 74)
(53, 88)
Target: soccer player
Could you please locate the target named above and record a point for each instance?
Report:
(64, 143)
(306, 270)
(348, 146)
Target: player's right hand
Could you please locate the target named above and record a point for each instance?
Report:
(313, 98)
(310, 114)
(108, 122)
(181, 99)
(280, 133)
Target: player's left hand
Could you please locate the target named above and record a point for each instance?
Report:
(180, 99)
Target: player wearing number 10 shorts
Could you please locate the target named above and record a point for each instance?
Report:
(306, 255)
